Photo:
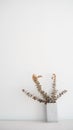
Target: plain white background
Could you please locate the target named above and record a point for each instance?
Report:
(35, 37)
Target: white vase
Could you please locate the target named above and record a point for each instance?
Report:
(51, 112)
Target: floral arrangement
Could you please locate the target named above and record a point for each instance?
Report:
(46, 98)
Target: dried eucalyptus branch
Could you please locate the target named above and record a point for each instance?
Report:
(39, 87)
(54, 91)
(61, 93)
(33, 97)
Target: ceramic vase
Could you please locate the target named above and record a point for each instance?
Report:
(51, 109)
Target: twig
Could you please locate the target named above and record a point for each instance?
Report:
(39, 87)
(33, 97)
(60, 94)
(54, 91)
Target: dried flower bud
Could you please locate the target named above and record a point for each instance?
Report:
(34, 77)
(23, 90)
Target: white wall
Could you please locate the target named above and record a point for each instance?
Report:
(36, 36)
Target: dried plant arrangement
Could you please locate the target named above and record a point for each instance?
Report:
(46, 98)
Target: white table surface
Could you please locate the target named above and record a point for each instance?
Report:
(36, 125)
